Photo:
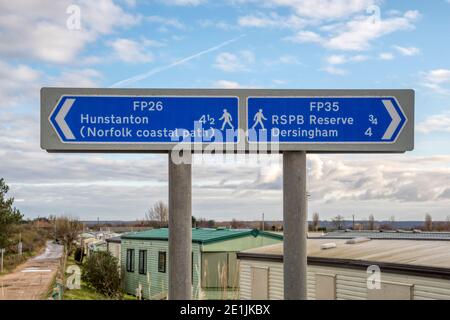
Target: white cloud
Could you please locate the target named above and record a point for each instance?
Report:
(358, 58)
(272, 20)
(43, 41)
(358, 33)
(304, 37)
(437, 80)
(178, 62)
(400, 179)
(207, 23)
(336, 59)
(17, 82)
(78, 78)
(334, 70)
(343, 59)
(279, 81)
(131, 51)
(407, 51)
(386, 56)
(286, 59)
(151, 43)
(412, 14)
(131, 3)
(166, 22)
(104, 16)
(230, 62)
(435, 123)
(40, 31)
(184, 2)
(335, 179)
(324, 9)
(226, 84)
(20, 84)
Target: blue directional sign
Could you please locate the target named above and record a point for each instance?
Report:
(144, 119)
(324, 119)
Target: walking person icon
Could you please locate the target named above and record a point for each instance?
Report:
(258, 118)
(226, 117)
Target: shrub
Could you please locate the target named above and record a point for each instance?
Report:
(101, 271)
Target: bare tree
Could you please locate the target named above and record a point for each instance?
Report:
(315, 221)
(392, 222)
(211, 223)
(371, 223)
(158, 215)
(67, 229)
(428, 222)
(236, 224)
(338, 222)
(203, 223)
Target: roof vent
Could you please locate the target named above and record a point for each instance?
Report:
(326, 246)
(357, 240)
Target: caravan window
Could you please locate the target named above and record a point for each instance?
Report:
(130, 260)
(142, 261)
(162, 261)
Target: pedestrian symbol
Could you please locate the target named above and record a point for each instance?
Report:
(258, 118)
(226, 117)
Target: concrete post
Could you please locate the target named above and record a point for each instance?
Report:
(295, 225)
(180, 229)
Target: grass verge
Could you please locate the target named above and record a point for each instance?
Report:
(86, 292)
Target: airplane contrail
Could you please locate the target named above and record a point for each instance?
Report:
(154, 71)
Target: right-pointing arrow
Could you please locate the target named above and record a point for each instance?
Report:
(60, 119)
(395, 119)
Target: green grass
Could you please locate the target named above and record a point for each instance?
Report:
(86, 292)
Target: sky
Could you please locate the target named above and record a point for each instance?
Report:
(302, 44)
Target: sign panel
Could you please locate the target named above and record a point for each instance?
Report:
(143, 119)
(325, 119)
(275, 120)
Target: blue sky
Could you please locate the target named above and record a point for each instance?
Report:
(227, 44)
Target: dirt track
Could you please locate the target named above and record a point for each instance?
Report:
(31, 280)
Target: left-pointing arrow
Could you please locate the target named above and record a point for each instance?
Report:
(60, 119)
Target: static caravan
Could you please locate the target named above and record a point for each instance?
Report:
(364, 269)
(96, 246)
(215, 271)
(113, 247)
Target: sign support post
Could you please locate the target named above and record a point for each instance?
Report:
(180, 228)
(295, 229)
